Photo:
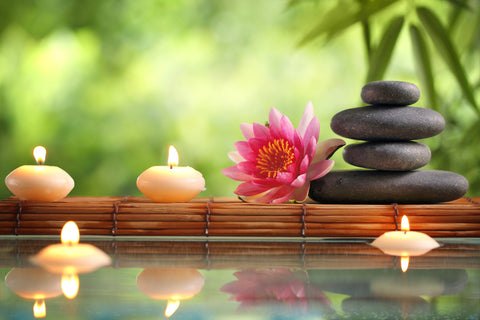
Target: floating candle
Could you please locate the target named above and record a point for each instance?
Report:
(71, 255)
(405, 242)
(171, 183)
(170, 284)
(39, 182)
(70, 258)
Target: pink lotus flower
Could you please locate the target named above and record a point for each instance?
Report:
(277, 161)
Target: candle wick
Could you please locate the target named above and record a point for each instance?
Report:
(171, 166)
(405, 232)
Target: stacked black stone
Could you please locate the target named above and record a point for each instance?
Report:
(388, 125)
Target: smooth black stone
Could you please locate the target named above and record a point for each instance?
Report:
(386, 123)
(390, 156)
(383, 187)
(397, 93)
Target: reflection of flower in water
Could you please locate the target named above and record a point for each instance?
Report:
(258, 287)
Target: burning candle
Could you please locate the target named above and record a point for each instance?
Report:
(39, 182)
(70, 258)
(171, 183)
(405, 243)
(171, 284)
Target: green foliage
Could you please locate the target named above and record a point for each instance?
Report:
(381, 55)
(445, 47)
(107, 85)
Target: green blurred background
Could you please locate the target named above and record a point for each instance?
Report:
(106, 86)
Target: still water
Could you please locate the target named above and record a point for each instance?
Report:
(245, 279)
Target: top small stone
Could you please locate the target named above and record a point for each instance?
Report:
(394, 93)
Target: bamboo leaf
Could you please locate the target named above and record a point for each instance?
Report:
(367, 37)
(423, 64)
(447, 51)
(293, 3)
(342, 16)
(380, 58)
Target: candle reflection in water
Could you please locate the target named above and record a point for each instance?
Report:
(36, 284)
(170, 284)
(405, 243)
(70, 258)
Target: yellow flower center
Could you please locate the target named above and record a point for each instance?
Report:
(275, 157)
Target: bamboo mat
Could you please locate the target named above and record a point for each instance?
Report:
(238, 254)
(138, 216)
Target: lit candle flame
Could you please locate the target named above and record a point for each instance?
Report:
(405, 226)
(404, 261)
(39, 309)
(70, 284)
(70, 234)
(172, 157)
(40, 154)
(172, 306)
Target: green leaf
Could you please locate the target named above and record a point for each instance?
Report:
(293, 3)
(342, 16)
(447, 51)
(453, 17)
(367, 38)
(381, 56)
(423, 64)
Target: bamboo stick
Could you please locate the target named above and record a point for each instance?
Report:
(352, 226)
(7, 224)
(248, 218)
(256, 211)
(161, 217)
(440, 219)
(160, 232)
(59, 224)
(255, 232)
(342, 233)
(160, 225)
(254, 225)
(163, 210)
(66, 217)
(56, 231)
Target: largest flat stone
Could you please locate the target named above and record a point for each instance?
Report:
(387, 123)
(370, 186)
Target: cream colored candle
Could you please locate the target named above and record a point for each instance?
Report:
(70, 255)
(171, 183)
(70, 258)
(39, 182)
(405, 242)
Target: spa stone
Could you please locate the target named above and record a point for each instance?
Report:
(383, 187)
(391, 156)
(387, 123)
(397, 93)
